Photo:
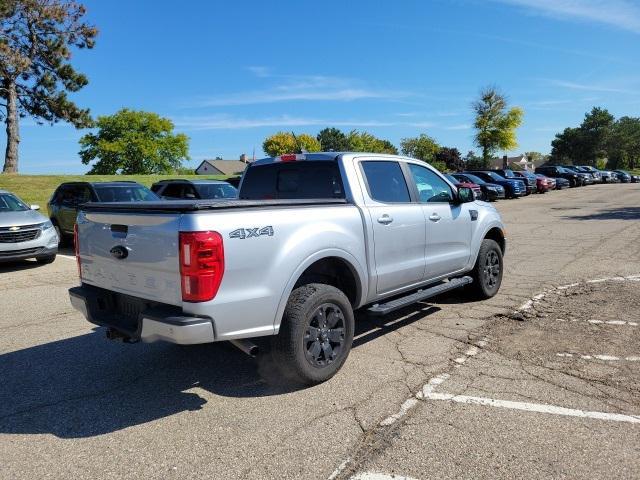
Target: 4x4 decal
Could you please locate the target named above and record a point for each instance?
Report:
(243, 233)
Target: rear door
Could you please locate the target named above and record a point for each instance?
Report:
(448, 230)
(72, 196)
(398, 225)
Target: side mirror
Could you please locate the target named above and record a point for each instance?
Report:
(465, 195)
(35, 207)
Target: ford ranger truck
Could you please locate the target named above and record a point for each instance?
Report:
(311, 238)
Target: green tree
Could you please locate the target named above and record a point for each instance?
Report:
(333, 140)
(588, 142)
(536, 157)
(134, 142)
(286, 142)
(36, 38)
(473, 161)
(422, 147)
(366, 142)
(451, 158)
(623, 147)
(495, 123)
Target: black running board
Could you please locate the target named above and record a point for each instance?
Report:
(398, 303)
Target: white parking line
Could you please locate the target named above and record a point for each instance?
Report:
(68, 257)
(600, 322)
(533, 407)
(379, 476)
(606, 358)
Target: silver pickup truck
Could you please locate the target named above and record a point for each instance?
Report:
(311, 238)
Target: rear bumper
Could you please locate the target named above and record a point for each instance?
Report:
(141, 320)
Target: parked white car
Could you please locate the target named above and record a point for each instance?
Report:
(24, 232)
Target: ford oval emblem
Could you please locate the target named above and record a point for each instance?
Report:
(119, 252)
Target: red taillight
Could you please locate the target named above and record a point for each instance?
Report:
(201, 265)
(76, 248)
(288, 157)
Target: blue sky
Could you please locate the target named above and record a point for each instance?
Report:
(230, 73)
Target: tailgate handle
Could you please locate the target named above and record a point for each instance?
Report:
(121, 229)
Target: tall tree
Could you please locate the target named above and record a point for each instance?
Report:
(623, 146)
(133, 142)
(495, 123)
(451, 158)
(587, 143)
(333, 140)
(366, 142)
(286, 142)
(36, 37)
(422, 147)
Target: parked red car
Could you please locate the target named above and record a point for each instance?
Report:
(545, 183)
(542, 186)
(477, 191)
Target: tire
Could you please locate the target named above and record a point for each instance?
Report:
(61, 238)
(308, 350)
(487, 272)
(46, 259)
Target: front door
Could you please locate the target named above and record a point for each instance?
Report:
(448, 230)
(398, 226)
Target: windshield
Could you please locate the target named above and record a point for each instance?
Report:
(11, 203)
(474, 179)
(124, 193)
(509, 174)
(494, 176)
(216, 190)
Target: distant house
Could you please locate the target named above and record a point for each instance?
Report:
(223, 167)
(519, 162)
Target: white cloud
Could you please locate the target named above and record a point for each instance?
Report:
(621, 14)
(288, 88)
(462, 126)
(589, 87)
(219, 122)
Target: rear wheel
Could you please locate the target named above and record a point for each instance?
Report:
(315, 334)
(487, 272)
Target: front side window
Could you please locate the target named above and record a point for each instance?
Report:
(386, 182)
(431, 187)
(217, 190)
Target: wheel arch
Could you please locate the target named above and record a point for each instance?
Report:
(332, 266)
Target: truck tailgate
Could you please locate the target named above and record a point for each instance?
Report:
(132, 253)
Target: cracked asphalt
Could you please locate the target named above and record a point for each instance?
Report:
(75, 405)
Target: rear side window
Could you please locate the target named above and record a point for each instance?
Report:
(292, 180)
(386, 182)
(173, 190)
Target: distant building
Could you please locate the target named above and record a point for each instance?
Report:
(223, 167)
(519, 162)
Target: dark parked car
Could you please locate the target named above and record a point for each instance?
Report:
(587, 177)
(556, 171)
(194, 189)
(623, 176)
(490, 191)
(533, 184)
(65, 201)
(510, 174)
(513, 188)
(594, 172)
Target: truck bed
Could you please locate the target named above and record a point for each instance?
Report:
(200, 205)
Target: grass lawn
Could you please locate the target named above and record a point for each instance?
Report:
(37, 189)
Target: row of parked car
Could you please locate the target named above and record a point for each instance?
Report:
(491, 185)
(26, 233)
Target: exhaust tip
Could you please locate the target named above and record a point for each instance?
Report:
(246, 346)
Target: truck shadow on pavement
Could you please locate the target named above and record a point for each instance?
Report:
(627, 213)
(85, 386)
(17, 266)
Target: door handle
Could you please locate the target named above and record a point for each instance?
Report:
(385, 219)
(434, 217)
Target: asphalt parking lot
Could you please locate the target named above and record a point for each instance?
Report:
(541, 380)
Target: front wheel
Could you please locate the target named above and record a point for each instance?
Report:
(46, 259)
(487, 272)
(315, 335)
